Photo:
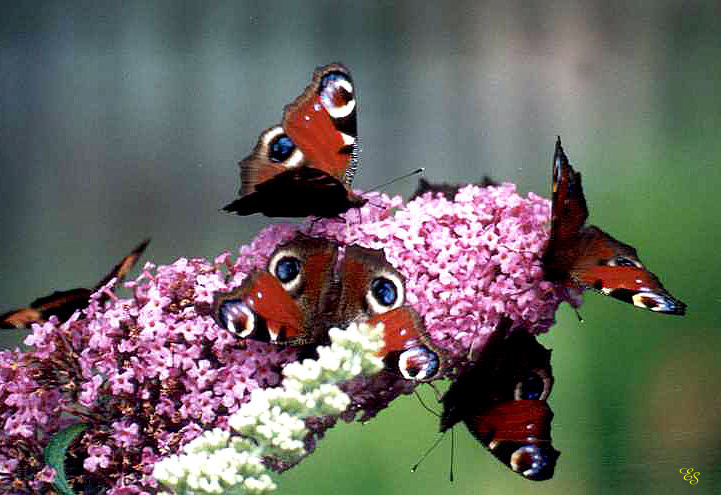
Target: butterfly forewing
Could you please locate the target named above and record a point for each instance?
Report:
(322, 121)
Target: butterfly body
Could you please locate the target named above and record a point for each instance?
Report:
(306, 165)
(586, 257)
(307, 288)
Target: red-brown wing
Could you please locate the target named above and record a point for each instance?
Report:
(614, 269)
(589, 258)
(403, 329)
(568, 214)
(568, 204)
(261, 309)
(285, 303)
(273, 154)
(322, 122)
(372, 290)
(121, 270)
(63, 304)
(20, 318)
(369, 285)
(407, 348)
(503, 402)
(306, 165)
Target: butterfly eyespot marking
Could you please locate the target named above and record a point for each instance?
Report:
(336, 95)
(530, 388)
(280, 148)
(287, 267)
(534, 386)
(658, 302)
(534, 462)
(237, 318)
(419, 364)
(623, 261)
(385, 293)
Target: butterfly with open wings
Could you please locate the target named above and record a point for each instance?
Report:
(301, 295)
(306, 165)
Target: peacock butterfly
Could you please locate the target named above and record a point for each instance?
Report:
(305, 166)
(588, 258)
(503, 402)
(63, 304)
(305, 290)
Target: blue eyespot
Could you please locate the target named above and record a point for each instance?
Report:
(384, 291)
(621, 261)
(281, 148)
(531, 388)
(419, 363)
(534, 462)
(287, 269)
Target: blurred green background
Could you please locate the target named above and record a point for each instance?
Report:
(121, 120)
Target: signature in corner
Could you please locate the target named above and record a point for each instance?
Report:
(689, 475)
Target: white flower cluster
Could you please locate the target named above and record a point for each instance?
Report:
(271, 422)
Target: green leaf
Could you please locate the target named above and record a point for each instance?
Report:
(55, 452)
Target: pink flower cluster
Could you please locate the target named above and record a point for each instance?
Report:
(149, 373)
(467, 262)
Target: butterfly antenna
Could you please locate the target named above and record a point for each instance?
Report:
(430, 449)
(425, 406)
(409, 174)
(453, 449)
(578, 315)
